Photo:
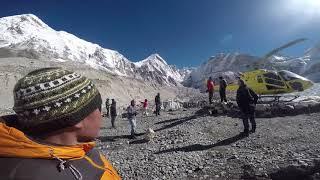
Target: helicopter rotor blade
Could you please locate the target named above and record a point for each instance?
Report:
(264, 59)
(291, 43)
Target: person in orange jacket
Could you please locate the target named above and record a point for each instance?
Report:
(51, 135)
(210, 89)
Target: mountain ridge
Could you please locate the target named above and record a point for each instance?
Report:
(29, 35)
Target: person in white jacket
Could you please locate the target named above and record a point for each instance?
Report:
(132, 113)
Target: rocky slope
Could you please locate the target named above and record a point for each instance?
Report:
(28, 36)
(123, 89)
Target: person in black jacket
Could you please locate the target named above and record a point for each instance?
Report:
(158, 104)
(113, 112)
(247, 100)
(222, 89)
(107, 107)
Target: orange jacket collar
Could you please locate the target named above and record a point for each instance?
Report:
(14, 143)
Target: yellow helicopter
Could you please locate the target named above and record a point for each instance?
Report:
(270, 82)
(265, 82)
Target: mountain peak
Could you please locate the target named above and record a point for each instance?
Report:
(152, 60)
(29, 19)
(156, 57)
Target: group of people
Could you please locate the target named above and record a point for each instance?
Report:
(57, 118)
(111, 111)
(132, 112)
(246, 99)
(222, 89)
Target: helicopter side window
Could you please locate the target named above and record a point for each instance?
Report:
(272, 76)
(273, 87)
(259, 79)
(274, 82)
(274, 79)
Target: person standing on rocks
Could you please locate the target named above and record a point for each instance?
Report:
(158, 104)
(222, 89)
(210, 89)
(113, 112)
(145, 107)
(51, 135)
(247, 100)
(132, 113)
(108, 107)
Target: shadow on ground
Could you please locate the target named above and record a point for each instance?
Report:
(298, 172)
(175, 122)
(139, 141)
(114, 138)
(200, 147)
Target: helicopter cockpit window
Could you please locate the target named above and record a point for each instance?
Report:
(288, 76)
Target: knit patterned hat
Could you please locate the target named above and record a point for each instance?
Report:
(50, 99)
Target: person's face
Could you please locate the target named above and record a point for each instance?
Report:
(90, 126)
(239, 83)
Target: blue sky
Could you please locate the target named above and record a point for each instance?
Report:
(184, 32)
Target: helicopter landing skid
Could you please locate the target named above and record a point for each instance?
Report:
(276, 99)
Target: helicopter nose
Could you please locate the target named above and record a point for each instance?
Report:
(308, 84)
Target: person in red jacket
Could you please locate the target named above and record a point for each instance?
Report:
(210, 89)
(145, 107)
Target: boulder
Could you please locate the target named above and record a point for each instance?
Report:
(149, 135)
(301, 108)
(262, 107)
(220, 111)
(172, 105)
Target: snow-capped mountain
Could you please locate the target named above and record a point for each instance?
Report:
(155, 65)
(297, 65)
(31, 37)
(307, 65)
(185, 72)
(229, 65)
(312, 70)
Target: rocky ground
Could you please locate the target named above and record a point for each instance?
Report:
(188, 145)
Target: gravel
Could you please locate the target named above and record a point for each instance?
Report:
(189, 146)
